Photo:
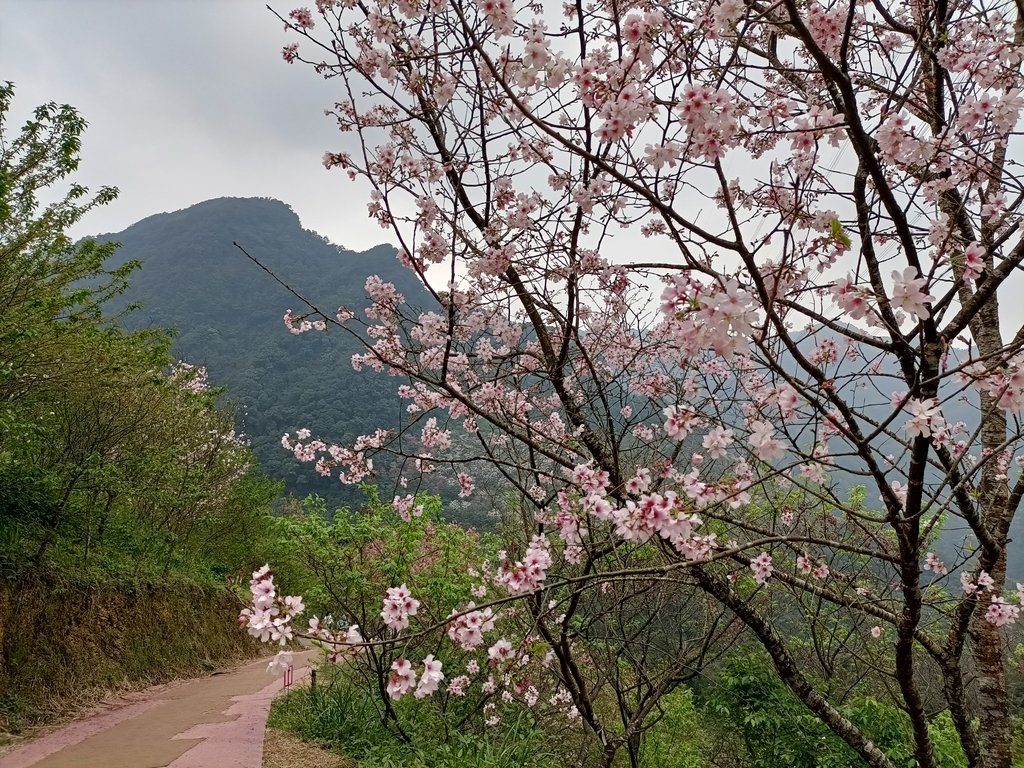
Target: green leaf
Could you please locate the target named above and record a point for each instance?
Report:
(839, 234)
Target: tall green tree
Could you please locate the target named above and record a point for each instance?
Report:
(44, 275)
(107, 452)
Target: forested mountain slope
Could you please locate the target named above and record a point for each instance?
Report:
(228, 316)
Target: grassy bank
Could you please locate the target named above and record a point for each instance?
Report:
(64, 643)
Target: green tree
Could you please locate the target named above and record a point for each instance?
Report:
(44, 275)
(106, 458)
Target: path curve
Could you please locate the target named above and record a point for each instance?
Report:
(210, 722)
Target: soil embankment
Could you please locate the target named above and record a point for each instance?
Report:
(65, 645)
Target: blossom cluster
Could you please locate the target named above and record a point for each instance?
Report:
(466, 628)
(399, 605)
(402, 679)
(1004, 383)
(190, 377)
(269, 617)
(526, 575)
(297, 324)
(999, 611)
(336, 641)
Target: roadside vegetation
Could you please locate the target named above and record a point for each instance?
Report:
(126, 497)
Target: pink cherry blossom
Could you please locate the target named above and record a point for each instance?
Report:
(762, 567)
(500, 651)
(679, 422)
(909, 292)
(399, 605)
(281, 662)
(1001, 613)
(934, 564)
(974, 261)
(302, 17)
(762, 440)
(925, 418)
(853, 300)
(402, 679)
(430, 678)
(716, 442)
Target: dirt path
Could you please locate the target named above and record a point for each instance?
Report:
(210, 722)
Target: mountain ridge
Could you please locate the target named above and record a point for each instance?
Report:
(227, 314)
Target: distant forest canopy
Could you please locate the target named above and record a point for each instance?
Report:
(227, 314)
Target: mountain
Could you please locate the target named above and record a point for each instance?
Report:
(228, 316)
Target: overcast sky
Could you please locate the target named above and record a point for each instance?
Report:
(186, 100)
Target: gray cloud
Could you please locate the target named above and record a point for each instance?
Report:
(186, 100)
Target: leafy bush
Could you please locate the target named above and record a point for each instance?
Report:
(775, 729)
(346, 714)
(679, 739)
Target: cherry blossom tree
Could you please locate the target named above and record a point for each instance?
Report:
(701, 268)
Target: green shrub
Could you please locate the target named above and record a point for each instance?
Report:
(678, 739)
(776, 729)
(345, 714)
